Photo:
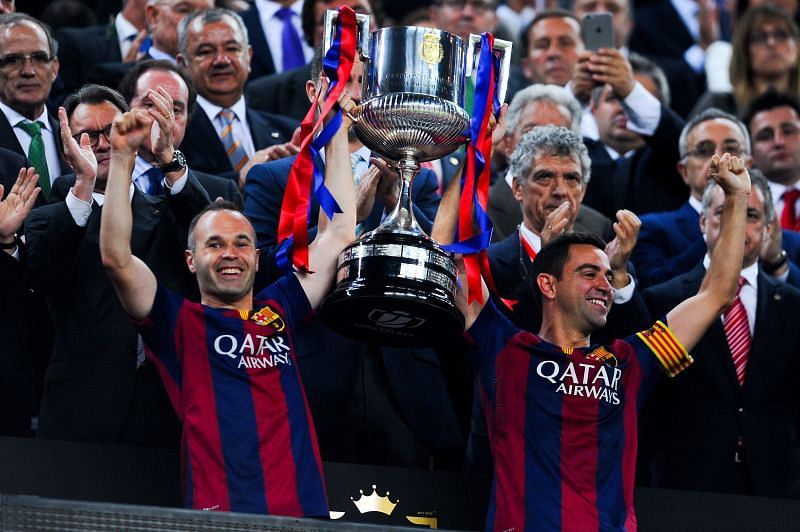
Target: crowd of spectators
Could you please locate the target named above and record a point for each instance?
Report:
(228, 83)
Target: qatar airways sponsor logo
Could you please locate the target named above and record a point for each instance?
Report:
(595, 381)
(254, 351)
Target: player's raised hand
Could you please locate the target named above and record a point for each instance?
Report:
(730, 173)
(130, 130)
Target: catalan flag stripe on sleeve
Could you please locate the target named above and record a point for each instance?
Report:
(667, 349)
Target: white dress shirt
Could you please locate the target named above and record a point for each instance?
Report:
(749, 292)
(273, 29)
(48, 137)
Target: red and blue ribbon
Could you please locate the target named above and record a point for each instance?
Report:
(474, 230)
(307, 174)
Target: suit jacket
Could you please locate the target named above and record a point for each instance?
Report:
(648, 39)
(670, 244)
(645, 182)
(693, 422)
(266, 183)
(261, 63)
(506, 214)
(80, 49)
(203, 147)
(10, 164)
(282, 94)
(9, 140)
(93, 391)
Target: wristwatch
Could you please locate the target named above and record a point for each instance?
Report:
(178, 162)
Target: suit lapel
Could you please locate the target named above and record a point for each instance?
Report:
(262, 57)
(210, 147)
(7, 137)
(146, 212)
(768, 306)
(689, 224)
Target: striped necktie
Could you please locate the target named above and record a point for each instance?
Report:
(36, 154)
(737, 331)
(233, 147)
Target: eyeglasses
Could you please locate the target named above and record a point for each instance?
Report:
(94, 135)
(479, 6)
(777, 36)
(707, 149)
(17, 60)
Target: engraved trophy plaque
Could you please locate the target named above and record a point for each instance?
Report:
(395, 286)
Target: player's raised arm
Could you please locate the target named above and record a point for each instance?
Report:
(333, 235)
(690, 319)
(134, 282)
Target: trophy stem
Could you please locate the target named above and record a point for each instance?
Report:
(402, 218)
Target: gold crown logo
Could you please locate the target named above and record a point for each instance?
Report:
(374, 502)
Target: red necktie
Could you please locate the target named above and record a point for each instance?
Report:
(737, 331)
(789, 216)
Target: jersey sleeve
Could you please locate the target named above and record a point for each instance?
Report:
(158, 333)
(289, 293)
(489, 335)
(658, 348)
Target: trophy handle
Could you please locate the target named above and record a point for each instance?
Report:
(501, 48)
(362, 30)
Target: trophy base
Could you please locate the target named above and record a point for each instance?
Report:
(394, 289)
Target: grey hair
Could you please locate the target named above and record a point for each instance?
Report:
(546, 92)
(12, 19)
(711, 114)
(548, 140)
(208, 16)
(758, 181)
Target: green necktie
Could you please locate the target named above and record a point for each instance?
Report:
(36, 154)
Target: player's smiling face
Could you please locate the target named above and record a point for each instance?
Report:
(225, 259)
(584, 292)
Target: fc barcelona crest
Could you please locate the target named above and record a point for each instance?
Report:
(267, 316)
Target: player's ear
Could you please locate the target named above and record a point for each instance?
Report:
(547, 285)
(190, 261)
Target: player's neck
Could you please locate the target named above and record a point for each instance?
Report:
(242, 303)
(559, 333)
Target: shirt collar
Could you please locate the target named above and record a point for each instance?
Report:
(124, 27)
(750, 273)
(100, 197)
(777, 190)
(212, 109)
(696, 204)
(530, 237)
(15, 118)
(155, 53)
(140, 166)
(268, 8)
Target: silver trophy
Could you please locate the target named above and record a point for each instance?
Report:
(395, 285)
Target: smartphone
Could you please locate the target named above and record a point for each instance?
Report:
(597, 31)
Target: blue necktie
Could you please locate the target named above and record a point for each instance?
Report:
(293, 56)
(154, 177)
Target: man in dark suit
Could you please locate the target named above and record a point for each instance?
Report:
(135, 88)
(225, 134)
(264, 25)
(730, 423)
(682, 55)
(161, 20)
(371, 404)
(26, 77)
(284, 92)
(537, 105)
(80, 49)
(96, 389)
(634, 158)
(20, 329)
(670, 243)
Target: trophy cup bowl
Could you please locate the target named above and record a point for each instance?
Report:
(395, 286)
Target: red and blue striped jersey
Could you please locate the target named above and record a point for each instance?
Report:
(562, 423)
(248, 440)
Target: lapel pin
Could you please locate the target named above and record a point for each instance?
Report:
(776, 297)
(274, 134)
(453, 161)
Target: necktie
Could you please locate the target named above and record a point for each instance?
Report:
(737, 331)
(293, 56)
(233, 147)
(140, 353)
(36, 154)
(789, 216)
(154, 178)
